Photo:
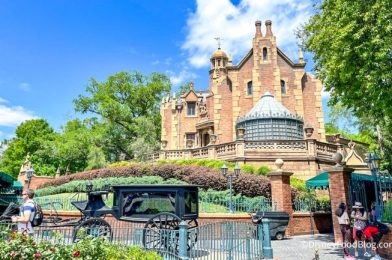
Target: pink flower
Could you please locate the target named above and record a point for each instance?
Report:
(76, 253)
(37, 255)
(13, 254)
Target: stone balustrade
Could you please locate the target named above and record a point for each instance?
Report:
(248, 149)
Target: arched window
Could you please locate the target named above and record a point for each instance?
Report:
(283, 87)
(265, 54)
(250, 88)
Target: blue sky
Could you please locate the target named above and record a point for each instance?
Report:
(49, 49)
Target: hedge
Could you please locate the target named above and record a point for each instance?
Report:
(101, 183)
(247, 184)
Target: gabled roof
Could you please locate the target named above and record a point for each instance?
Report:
(288, 60)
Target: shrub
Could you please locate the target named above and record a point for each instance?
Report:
(21, 246)
(101, 183)
(263, 170)
(247, 184)
(248, 168)
(299, 184)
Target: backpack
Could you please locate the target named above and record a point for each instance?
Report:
(339, 212)
(38, 215)
(382, 227)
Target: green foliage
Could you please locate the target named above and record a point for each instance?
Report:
(354, 62)
(122, 163)
(217, 164)
(21, 246)
(248, 168)
(250, 185)
(299, 184)
(129, 105)
(96, 159)
(99, 184)
(31, 138)
(263, 170)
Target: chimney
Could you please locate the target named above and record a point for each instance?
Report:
(258, 29)
(268, 26)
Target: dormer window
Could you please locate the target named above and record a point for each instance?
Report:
(265, 54)
(283, 87)
(249, 88)
(191, 109)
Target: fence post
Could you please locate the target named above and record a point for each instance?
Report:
(183, 241)
(267, 249)
(260, 239)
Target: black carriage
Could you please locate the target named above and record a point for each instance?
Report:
(161, 208)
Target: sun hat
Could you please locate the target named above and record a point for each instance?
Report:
(358, 205)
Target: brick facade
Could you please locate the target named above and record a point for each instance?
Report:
(218, 108)
(339, 178)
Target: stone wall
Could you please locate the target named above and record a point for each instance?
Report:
(304, 223)
(35, 180)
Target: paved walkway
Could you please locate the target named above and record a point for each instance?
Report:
(304, 247)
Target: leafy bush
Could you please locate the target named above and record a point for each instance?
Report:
(248, 168)
(247, 184)
(263, 170)
(299, 184)
(214, 164)
(122, 163)
(21, 246)
(99, 184)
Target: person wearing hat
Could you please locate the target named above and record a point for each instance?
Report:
(359, 216)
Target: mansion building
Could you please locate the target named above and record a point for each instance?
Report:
(263, 108)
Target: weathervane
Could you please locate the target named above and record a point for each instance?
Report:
(218, 39)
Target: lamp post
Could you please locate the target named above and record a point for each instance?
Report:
(373, 162)
(230, 177)
(29, 174)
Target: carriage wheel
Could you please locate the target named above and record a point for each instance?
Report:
(157, 235)
(157, 232)
(95, 227)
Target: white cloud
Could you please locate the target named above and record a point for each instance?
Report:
(25, 86)
(235, 25)
(13, 116)
(325, 94)
(2, 100)
(181, 77)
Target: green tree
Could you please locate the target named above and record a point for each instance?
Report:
(120, 101)
(31, 138)
(352, 46)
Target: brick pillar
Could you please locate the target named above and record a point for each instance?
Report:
(281, 191)
(339, 179)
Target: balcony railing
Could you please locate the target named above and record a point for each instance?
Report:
(250, 149)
